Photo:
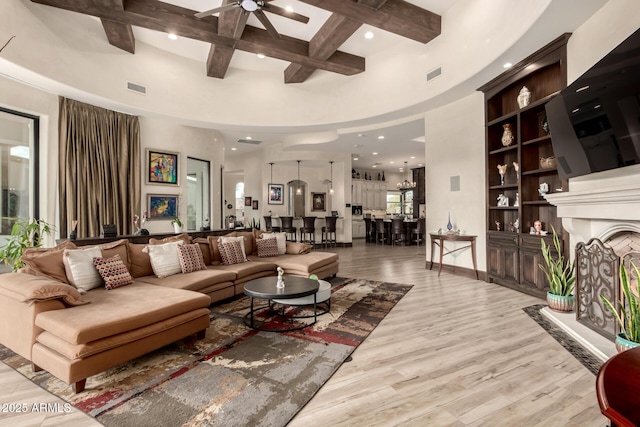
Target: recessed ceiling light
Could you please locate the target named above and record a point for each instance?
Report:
(233, 148)
(360, 135)
(172, 36)
(374, 166)
(357, 145)
(413, 157)
(289, 9)
(261, 55)
(381, 137)
(508, 65)
(420, 164)
(375, 153)
(368, 35)
(248, 137)
(392, 162)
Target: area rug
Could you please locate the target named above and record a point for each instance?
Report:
(235, 376)
(584, 356)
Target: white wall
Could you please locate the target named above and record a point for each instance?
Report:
(455, 143)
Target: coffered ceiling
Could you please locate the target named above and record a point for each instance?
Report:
(231, 30)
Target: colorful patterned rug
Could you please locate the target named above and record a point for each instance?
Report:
(236, 376)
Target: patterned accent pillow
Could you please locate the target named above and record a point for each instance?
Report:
(191, 258)
(231, 252)
(113, 272)
(267, 247)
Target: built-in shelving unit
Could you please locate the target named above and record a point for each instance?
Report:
(513, 255)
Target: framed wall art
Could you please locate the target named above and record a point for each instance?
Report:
(318, 202)
(162, 167)
(162, 206)
(276, 194)
(247, 201)
(254, 205)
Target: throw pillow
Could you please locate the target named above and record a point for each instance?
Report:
(215, 252)
(231, 252)
(184, 237)
(267, 247)
(240, 239)
(296, 248)
(48, 261)
(191, 258)
(78, 265)
(120, 247)
(113, 271)
(204, 248)
(164, 259)
(281, 238)
(140, 261)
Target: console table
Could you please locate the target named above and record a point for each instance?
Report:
(439, 239)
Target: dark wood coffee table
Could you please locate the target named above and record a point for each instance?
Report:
(265, 288)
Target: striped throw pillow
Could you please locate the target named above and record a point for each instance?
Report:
(191, 258)
(231, 252)
(113, 272)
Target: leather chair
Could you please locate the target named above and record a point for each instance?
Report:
(329, 231)
(287, 227)
(368, 229)
(269, 226)
(419, 232)
(381, 234)
(308, 230)
(397, 231)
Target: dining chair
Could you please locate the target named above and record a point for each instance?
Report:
(329, 231)
(286, 223)
(397, 231)
(380, 231)
(308, 230)
(419, 232)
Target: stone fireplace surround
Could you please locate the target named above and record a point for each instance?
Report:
(600, 205)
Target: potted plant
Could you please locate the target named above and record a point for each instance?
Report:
(561, 277)
(25, 233)
(177, 225)
(629, 321)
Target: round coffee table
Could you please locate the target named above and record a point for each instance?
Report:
(265, 288)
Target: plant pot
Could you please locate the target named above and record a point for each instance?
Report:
(560, 303)
(623, 344)
(177, 228)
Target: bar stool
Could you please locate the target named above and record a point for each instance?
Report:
(380, 231)
(397, 230)
(329, 231)
(308, 230)
(419, 232)
(268, 225)
(287, 227)
(368, 229)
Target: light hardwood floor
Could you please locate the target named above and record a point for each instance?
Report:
(453, 352)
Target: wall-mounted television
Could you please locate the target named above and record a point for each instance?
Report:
(595, 122)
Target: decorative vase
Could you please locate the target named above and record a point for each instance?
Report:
(623, 343)
(507, 135)
(524, 97)
(560, 303)
(383, 176)
(177, 228)
(449, 225)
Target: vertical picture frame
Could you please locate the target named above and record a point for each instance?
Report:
(275, 194)
(162, 167)
(318, 202)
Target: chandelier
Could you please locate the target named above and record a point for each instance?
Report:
(406, 184)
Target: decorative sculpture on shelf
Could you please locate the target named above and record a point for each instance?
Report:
(502, 170)
(524, 97)
(507, 135)
(516, 168)
(280, 282)
(537, 228)
(517, 202)
(503, 201)
(543, 189)
(498, 225)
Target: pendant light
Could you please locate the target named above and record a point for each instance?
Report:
(271, 190)
(406, 184)
(298, 190)
(331, 180)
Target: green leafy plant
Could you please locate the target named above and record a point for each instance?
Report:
(25, 233)
(559, 272)
(255, 224)
(176, 221)
(630, 320)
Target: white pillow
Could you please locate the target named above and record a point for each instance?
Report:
(281, 239)
(164, 258)
(78, 265)
(227, 239)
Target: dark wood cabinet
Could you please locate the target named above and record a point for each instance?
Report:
(419, 196)
(513, 200)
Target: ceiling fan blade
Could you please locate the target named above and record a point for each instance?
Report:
(216, 10)
(267, 24)
(277, 10)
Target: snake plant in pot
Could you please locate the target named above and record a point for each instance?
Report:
(561, 276)
(629, 316)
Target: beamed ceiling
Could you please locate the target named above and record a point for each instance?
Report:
(229, 31)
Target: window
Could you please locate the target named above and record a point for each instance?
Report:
(18, 167)
(394, 204)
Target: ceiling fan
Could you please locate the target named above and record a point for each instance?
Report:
(257, 7)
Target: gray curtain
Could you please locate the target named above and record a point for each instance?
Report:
(99, 167)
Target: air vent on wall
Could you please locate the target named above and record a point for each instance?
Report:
(249, 141)
(134, 87)
(434, 73)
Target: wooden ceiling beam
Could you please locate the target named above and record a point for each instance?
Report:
(230, 24)
(119, 35)
(395, 16)
(335, 31)
(159, 16)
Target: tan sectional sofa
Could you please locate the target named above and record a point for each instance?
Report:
(74, 335)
